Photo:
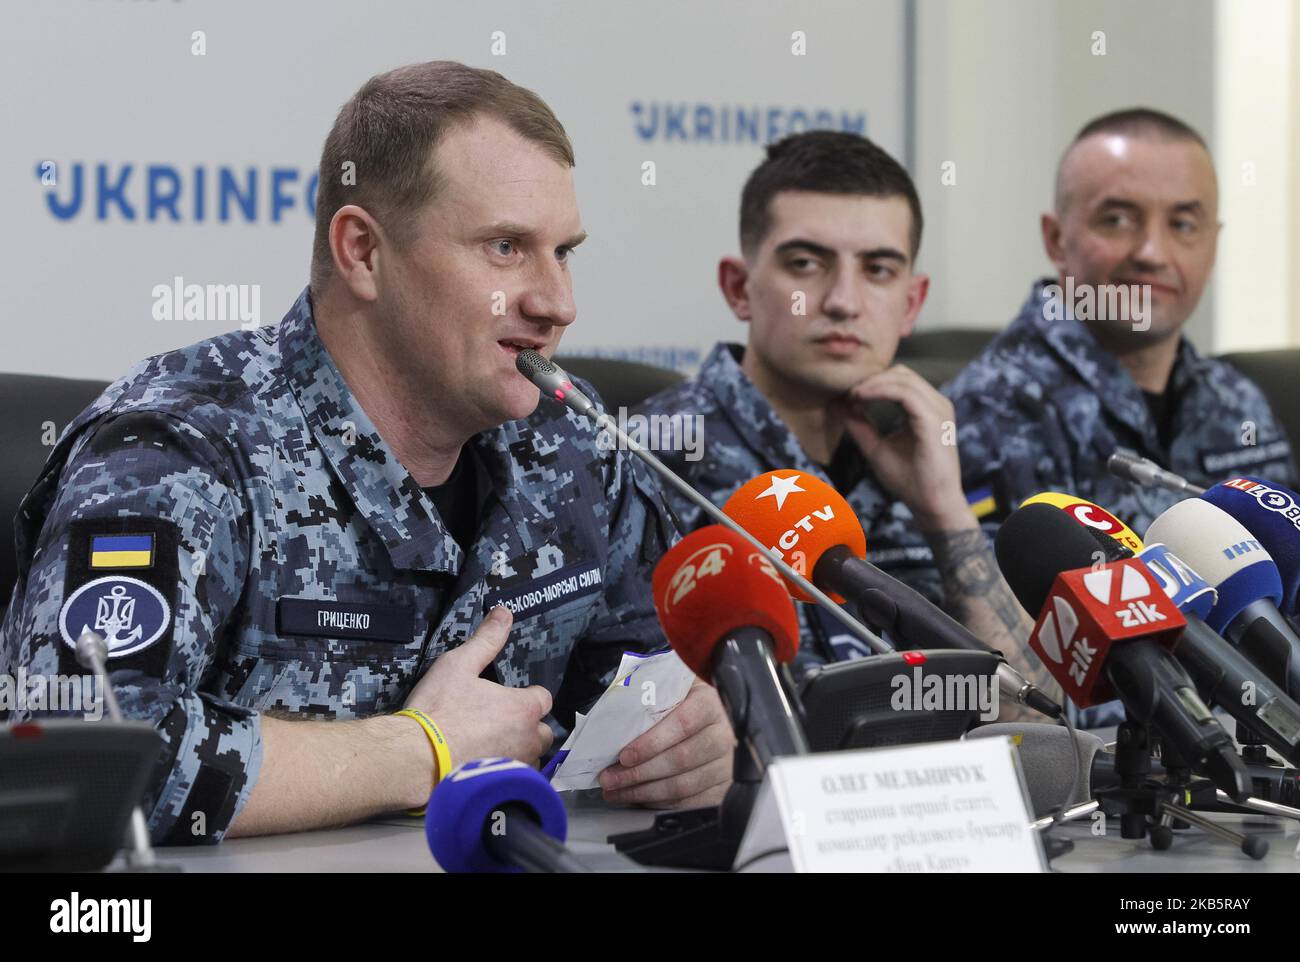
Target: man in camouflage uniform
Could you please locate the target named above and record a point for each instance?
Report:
(1045, 405)
(830, 226)
(287, 535)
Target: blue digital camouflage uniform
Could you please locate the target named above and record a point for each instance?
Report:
(744, 437)
(231, 520)
(1044, 406)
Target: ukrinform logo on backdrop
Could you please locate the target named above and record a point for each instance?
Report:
(658, 432)
(174, 194)
(704, 123)
(1099, 302)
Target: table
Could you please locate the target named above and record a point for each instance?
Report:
(397, 845)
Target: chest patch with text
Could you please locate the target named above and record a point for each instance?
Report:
(550, 591)
(325, 618)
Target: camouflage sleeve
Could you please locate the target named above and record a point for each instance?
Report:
(1014, 450)
(146, 542)
(641, 531)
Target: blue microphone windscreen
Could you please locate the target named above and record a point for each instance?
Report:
(1271, 513)
(1249, 584)
(462, 808)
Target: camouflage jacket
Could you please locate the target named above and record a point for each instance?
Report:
(1044, 406)
(229, 517)
(743, 436)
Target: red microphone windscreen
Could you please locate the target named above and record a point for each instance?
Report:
(1091, 609)
(798, 516)
(712, 582)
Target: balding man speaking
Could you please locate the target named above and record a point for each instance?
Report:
(333, 557)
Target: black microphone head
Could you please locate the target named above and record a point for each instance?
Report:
(1047, 761)
(1037, 542)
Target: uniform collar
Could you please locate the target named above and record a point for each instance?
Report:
(749, 411)
(756, 422)
(1075, 346)
(382, 490)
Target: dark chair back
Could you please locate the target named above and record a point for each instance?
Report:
(939, 355)
(1276, 373)
(620, 383)
(34, 410)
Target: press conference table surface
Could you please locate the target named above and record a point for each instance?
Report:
(392, 845)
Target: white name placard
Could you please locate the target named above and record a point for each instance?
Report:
(956, 806)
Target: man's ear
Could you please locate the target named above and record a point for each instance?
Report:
(917, 288)
(1051, 228)
(733, 275)
(354, 245)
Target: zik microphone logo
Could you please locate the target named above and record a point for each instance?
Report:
(1059, 634)
(1132, 589)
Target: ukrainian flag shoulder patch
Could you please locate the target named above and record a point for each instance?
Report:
(121, 551)
(982, 502)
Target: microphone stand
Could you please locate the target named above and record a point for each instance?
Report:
(92, 654)
(707, 838)
(1149, 808)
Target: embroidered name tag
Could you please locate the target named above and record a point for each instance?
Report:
(1220, 462)
(341, 619)
(551, 591)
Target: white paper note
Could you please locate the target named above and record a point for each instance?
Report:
(645, 689)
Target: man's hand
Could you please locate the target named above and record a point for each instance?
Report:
(917, 464)
(684, 761)
(480, 718)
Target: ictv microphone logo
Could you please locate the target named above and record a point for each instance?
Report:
(778, 491)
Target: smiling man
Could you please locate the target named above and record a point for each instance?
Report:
(830, 226)
(1071, 379)
(315, 549)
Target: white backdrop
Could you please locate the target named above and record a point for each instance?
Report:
(113, 88)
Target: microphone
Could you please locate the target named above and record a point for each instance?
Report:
(498, 815)
(1187, 589)
(1146, 473)
(1271, 513)
(799, 513)
(1103, 632)
(1222, 674)
(1090, 516)
(1248, 584)
(1048, 761)
(92, 654)
(728, 616)
(552, 380)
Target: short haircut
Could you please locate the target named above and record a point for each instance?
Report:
(388, 132)
(825, 162)
(1140, 121)
(1133, 122)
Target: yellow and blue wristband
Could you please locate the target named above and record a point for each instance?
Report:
(441, 753)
